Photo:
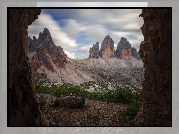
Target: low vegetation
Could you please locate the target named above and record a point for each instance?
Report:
(122, 94)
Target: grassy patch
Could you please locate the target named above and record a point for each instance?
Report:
(131, 110)
(121, 94)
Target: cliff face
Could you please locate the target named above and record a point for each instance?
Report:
(107, 48)
(23, 108)
(156, 109)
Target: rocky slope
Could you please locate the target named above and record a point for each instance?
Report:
(113, 70)
(48, 59)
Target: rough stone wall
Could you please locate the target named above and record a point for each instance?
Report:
(23, 107)
(155, 51)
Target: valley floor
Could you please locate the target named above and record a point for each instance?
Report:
(95, 113)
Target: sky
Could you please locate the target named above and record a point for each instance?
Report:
(76, 30)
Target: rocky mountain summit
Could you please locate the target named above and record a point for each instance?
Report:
(107, 48)
(43, 51)
(50, 63)
(123, 51)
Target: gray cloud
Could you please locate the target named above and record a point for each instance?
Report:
(72, 28)
(59, 37)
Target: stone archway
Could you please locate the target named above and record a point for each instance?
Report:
(155, 52)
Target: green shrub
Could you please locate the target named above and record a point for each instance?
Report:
(120, 95)
(42, 89)
(131, 110)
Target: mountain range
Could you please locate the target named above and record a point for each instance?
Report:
(123, 51)
(49, 62)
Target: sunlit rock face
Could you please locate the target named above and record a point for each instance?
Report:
(107, 48)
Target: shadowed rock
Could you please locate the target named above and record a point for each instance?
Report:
(23, 108)
(155, 107)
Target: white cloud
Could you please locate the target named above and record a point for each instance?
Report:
(59, 37)
(85, 47)
(135, 42)
(71, 28)
(70, 55)
(95, 32)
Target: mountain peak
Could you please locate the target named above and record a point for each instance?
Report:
(46, 30)
(123, 51)
(46, 52)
